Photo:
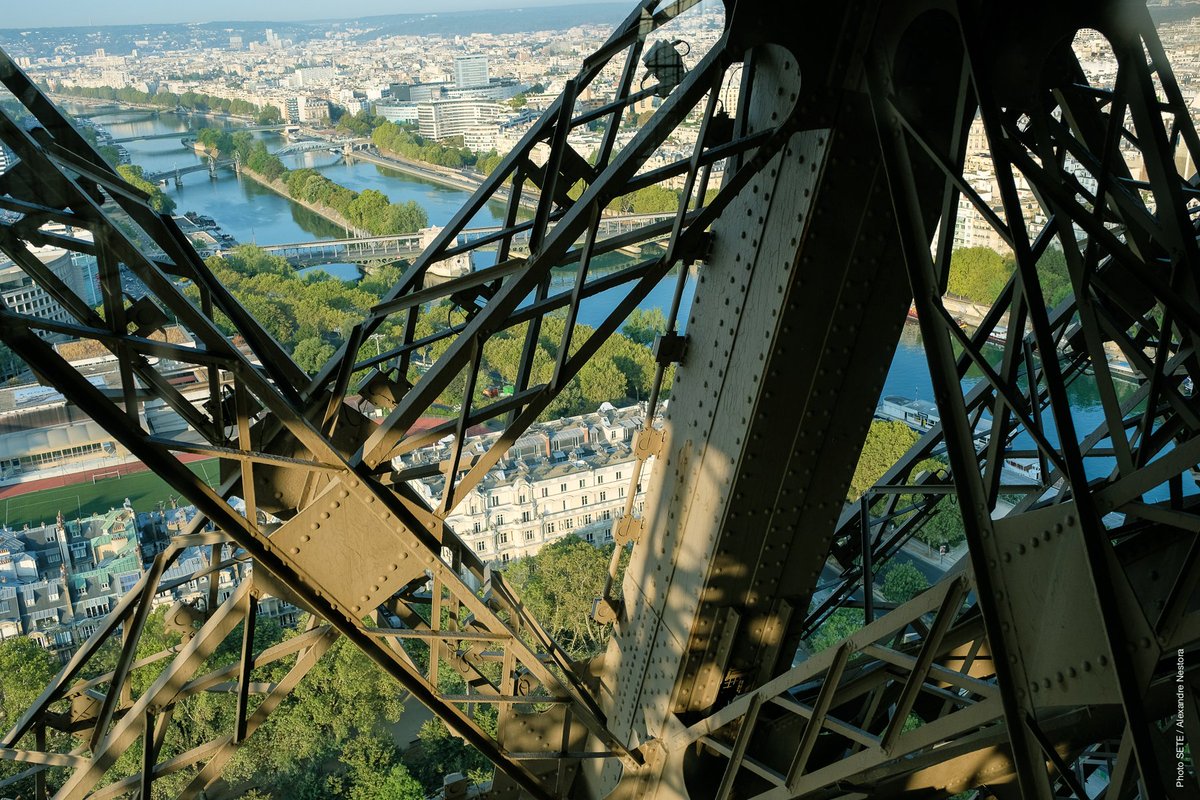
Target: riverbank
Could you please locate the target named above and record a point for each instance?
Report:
(244, 119)
(453, 179)
(278, 187)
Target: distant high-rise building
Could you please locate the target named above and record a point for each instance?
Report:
(470, 71)
(235, 43)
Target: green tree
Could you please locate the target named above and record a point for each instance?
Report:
(944, 525)
(558, 585)
(842, 622)
(978, 274)
(601, 380)
(135, 176)
(269, 115)
(312, 353)
(1054, 277)
(403, 142)
(216, 141)
(650, 200)
(440, 753)
(374, 771)
(902, 582)
(25, 670)
(359, 124)
(886, 442)
(398, 784)
(643, 325)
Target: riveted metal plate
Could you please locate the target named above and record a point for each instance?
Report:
(351, 546)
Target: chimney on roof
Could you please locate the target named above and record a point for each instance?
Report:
(66, 590)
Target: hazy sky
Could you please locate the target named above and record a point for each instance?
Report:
(121, 12)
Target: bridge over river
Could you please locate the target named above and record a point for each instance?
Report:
(378, 249)
(183, 134)
(212, 165)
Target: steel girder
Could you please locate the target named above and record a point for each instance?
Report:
(292, 448)
(844, 164)
(1070, 637)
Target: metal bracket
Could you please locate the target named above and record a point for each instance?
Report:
(628, 529)
(669, 348)
(606, 610)
(184, 618)
(648, 443)
(146, 317)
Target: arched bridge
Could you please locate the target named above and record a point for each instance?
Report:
(409, 245)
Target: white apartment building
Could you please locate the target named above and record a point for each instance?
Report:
(570, 476)
(444, 118)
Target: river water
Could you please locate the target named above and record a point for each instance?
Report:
(253, 214)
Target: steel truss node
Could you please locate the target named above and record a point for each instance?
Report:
(1041, 666)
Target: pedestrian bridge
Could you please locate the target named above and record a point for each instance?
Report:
(375, 249)
(304, 147)
(209, 165)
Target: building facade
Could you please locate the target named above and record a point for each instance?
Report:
(470, 71)
(442, 119)
(23, 296)
(569, 476)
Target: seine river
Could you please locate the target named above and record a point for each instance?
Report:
(254, 215)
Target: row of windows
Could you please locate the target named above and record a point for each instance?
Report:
(494, 500)
(568, 524)
(583, 501)
(527, 516)
(60, 455)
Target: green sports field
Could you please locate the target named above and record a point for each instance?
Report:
(144, 490)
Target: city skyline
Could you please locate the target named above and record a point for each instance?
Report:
(76, 13)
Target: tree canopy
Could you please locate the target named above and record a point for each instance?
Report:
(403, 142)
(838, 625)
(217, 141)
(135, 175)
(650, 200)
(370, 209)
(558, 586)
(1054, 277)
(902, 582)
(978, 274)
(944, 525)
(190, 100)
(886, 442)
(644, 324)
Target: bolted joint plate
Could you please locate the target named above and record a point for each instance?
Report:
(628, 529)
(648, 443)
(1048, 597)
(184, 618)
(606, 611)
(669, 348)
(347, 543)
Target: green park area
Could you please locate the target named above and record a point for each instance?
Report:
(145, 491)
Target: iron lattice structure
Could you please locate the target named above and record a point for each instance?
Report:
(1042, 664)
